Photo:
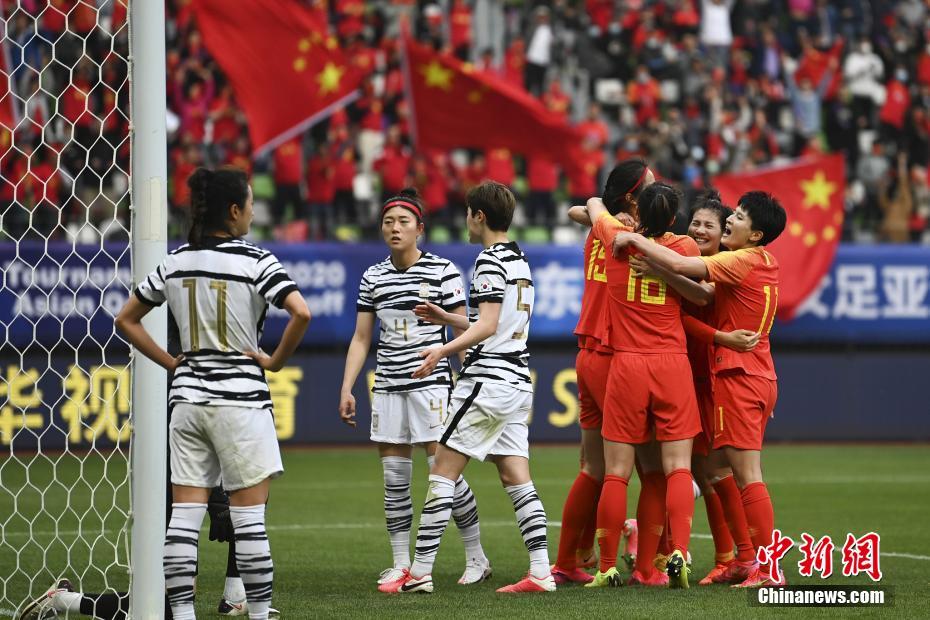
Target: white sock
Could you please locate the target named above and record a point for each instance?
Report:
(398, 507)
(67, 601)
(253, 557)
(697, 489)
(180, 560)
(465, 513)
(531, 518)
(437, 509)
(234, 590)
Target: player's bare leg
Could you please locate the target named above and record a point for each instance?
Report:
(465, 515)
(514, 473)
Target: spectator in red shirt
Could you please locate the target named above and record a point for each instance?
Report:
(287, 161)
(239, 155)
(515, 62)
(500, 166)
(594, 128)
(344, 170)
(582, 180)
(897, 103)
(556, 100)
(543, 179)
(393, 166)
(460, 29)
(644, 94)
(321, 191)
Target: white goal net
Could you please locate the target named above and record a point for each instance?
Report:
(65, 392)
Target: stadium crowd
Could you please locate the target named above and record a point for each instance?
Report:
(696, 87)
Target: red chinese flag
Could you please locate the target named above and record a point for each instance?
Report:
(286, 70)
(455, 106)
(811, 190)
(8, 115)
(814, 63)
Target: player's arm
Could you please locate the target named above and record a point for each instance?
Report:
(458, 331)
(698, 293)
(579, 215)
(296, 306)
(741, 340)
(489, 313)
(690, 266)
(355, 359)
(431, 313)
(129, 323)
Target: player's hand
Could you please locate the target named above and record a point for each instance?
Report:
(621, 241)
(431, 313)
(221, 527)
(264, 360)
(626, 219)
(741, 340)
(641, 266)
(175, 363)
(347, 408)
(431, 358)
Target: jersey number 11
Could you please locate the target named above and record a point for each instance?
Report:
(194, 321)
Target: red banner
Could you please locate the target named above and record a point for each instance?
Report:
(811, 190)
(456, 105)
(286, 69)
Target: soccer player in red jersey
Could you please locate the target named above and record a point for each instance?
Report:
(745, 387)
(649, 387)
(626, 181)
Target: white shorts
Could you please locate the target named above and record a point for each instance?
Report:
(408, 417)
(232, 446)
(488, 419)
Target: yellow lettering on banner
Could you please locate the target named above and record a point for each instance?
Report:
(18, 393)
(370, 377)
(284, 387)
(98, 403)
(566, 397)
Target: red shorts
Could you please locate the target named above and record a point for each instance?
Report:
(742, 407)
(705, 401)
(646, 391)
(592, 368)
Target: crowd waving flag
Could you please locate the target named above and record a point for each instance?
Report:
(811, 190)
(455, 105)
(287, 70)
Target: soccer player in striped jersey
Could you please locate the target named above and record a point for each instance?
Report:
(222, 430)
(649, 389)
(745, 386)
(576, 539)
(492, 400)
(407, 411)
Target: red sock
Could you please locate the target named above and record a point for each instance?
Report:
(723, 542)
(665, 544)
(732, 503)
(611, 513)
(650, 519)
(586, 541)
(580, 504)
(679, 501)
(760, 515)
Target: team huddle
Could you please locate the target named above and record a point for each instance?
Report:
(675, 380)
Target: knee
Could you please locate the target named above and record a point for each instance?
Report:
(594, 470)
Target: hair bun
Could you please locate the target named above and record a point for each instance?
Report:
(410, 192)
(199, 179)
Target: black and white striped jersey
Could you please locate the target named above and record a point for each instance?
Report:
(502, 275)
(392, 294)
(219, 294)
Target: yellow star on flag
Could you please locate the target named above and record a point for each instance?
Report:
(817, 191)
(329, 78)
(437, 76)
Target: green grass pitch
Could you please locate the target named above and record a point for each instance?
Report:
(329, 544)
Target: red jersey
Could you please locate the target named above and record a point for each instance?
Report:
(644, 312)
(746, 298)
(592, 320)
(697, 321)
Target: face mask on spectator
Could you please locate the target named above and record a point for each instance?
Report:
(900, 75)
(866, 48)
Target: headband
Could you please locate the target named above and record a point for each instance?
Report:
(641, 177)
(406, 204)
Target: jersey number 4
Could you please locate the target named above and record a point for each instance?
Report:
(194, 321)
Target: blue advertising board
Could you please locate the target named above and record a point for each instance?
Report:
(84, 403)
(872, 294)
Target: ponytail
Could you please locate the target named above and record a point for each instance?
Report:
(212, 193)
(658, 205)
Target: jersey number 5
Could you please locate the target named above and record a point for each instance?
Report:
(194, 321)
(522, 307)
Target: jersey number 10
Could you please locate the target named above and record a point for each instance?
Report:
(194, 321)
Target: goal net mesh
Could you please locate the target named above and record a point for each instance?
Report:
(64, 251)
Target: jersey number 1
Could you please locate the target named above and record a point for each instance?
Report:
(220, 287)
